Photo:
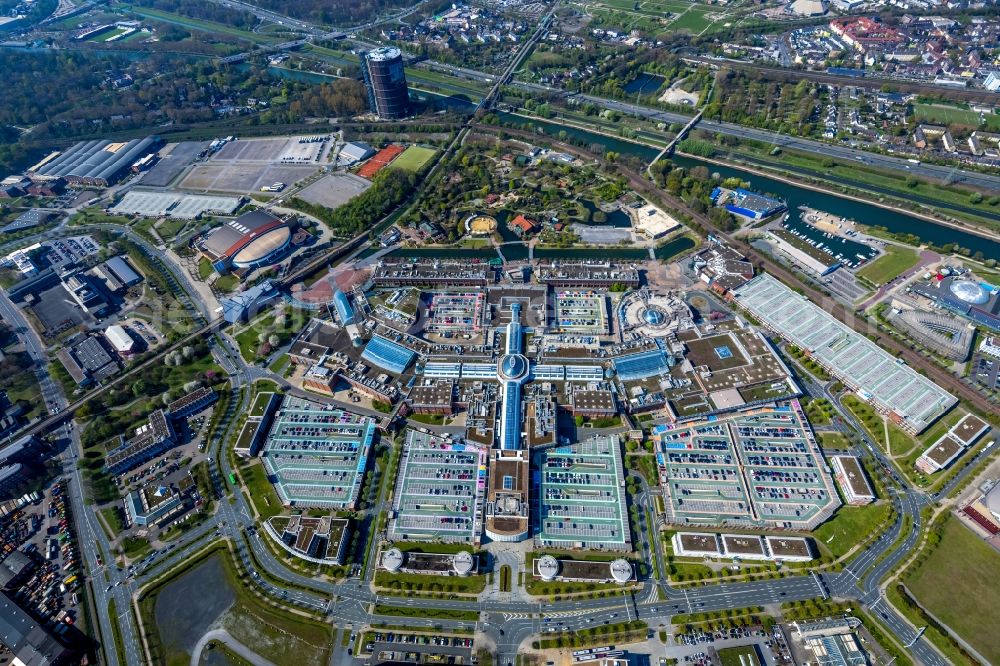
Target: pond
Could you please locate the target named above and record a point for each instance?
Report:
(674, 247)
(616, 218)
(644, 84)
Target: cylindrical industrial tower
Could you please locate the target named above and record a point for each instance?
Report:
(385, 80)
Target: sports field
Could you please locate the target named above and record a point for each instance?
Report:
(953, 115)
(414, 158)
(654, 15)
(957, 583)
(895, 260)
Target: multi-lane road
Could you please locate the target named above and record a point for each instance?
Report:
(505, 623)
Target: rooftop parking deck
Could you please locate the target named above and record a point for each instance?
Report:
(760, 468)
(581, 501)
(580, 311)
(316, 455)
(440, 490)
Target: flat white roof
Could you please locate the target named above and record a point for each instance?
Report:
(851, 356)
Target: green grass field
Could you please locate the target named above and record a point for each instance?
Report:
(952, 115)
(850, 526)
(198, 24)
(105, 36)
(261, 492)
(732, 656)
(226, 283)
(693, 20)
(834, 440)
(414, 158)
(896, 260)
(957, 584)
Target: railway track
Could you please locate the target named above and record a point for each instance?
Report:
(794, 75)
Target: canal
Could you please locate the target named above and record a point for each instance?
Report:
(894, 220)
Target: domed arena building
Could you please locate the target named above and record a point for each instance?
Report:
(252, 240)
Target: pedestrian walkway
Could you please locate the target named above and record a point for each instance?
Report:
(223, 636)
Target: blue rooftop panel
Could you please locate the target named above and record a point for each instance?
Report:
(510, 427)
(642, 365)
(344, 309)
(388, 355)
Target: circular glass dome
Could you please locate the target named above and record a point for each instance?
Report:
(513, 366)
(654, 317)
(970, 292)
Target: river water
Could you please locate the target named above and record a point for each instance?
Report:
(893, 220)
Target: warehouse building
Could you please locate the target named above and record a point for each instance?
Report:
(150, 440)
(742, 546)
(117, 274)
(247, 304)
(119, 339)
(87, 361)
(99, 162)
(952, 444)
(910, 400)
(805, 254)
(588, 275)
(431, 273)
(747, 204)
(29, 642)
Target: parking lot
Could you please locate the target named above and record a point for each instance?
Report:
(581, 312)
(986, 371)
(242, 178)
(400, 646)
(453, 313)
(334, 190)
(69, 251)
(756, 469)
(253, 150)
(41, 528)
(439, 490)
(174, 160)
(580, 496)
(317, 455)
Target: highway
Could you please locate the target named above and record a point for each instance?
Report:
(929, 171)
(873, 81)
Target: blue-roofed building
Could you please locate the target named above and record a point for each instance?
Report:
(513, 370)
(387, 354)
(245, 305)
(642, 365)
(846, 71)
(746, 203)
(343, 306)
(513, 344)
(510, 423)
